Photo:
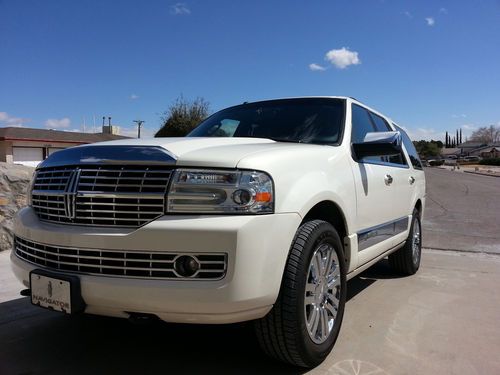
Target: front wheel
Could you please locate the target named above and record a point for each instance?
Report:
(305, 321)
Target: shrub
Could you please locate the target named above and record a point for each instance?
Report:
(491, 161)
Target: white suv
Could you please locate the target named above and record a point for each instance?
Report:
(261, 213)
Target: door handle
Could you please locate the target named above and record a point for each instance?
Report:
(388, 179)
(411, 179)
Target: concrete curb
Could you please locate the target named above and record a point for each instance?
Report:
(482, 174)
(467, 252)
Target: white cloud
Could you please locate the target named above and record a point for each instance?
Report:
(134, 96)
(8, 120)
(469, 127)
(430, 21)
(342, 58)
(180, 8)
(443, 10)
(53, 123)
(316, 67)
(462, 115)
(408, 14)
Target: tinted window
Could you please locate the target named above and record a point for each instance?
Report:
(312, 120)
(361, 124)
(410, 148)
(380, 124)
(395, 159)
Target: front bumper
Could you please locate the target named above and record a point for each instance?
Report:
(257, 248)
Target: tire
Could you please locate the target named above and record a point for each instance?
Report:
(406, 260)
(284, 332)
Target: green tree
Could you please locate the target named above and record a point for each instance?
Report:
(428, 148)
(183, 116)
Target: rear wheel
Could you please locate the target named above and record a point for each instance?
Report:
(406, 261)
(305, 321)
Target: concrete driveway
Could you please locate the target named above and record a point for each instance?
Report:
(444, 320)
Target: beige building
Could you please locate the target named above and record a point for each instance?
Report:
(31, 146)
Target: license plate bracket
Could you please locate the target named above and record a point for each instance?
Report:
(56, 292)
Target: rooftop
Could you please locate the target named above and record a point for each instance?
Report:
(471, 144)
(45, 135)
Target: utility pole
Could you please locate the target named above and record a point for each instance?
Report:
(139, 126)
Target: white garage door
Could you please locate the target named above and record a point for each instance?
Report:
(27, 155)
(54, 149)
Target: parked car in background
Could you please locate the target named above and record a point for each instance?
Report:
(262, 213)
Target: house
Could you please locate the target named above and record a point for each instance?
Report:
(452, 151)
(469, 146)
(31, 146)
(488, 152)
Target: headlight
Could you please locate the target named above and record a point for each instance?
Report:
(216, 191)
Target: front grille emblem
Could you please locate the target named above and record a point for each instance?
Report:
(70, 193)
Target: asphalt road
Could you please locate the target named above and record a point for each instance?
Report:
(462, 211)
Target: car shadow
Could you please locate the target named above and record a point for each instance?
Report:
(379, 271)
(36, 341)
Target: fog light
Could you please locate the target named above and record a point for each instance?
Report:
(242, 197)
(186, 266)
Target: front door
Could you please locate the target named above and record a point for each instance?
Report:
(382, 191)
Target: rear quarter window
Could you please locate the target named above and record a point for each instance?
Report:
(410, 148)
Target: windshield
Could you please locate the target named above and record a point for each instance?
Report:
(311, 120)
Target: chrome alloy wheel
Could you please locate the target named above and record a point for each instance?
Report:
(321, 299)
(416, 241)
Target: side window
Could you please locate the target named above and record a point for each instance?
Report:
(410, 148)
(361, 124)
(395, 159)
(380, 123)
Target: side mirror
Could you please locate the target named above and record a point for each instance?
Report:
(378, 144)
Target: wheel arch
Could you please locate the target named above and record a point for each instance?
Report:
(418, 205)
(331, 212)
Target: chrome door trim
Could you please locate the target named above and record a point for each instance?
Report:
(372, 236)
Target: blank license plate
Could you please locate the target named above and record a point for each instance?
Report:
(51, 293)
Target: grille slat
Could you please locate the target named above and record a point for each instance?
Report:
(122, 196)
(123, 211)
(118, 263)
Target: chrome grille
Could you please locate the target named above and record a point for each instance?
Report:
(137, 264)
(110, 195)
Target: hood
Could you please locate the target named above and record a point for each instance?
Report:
(202, 152)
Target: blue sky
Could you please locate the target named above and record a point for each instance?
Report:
(430, 65)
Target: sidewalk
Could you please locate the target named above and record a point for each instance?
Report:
(485, 170)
